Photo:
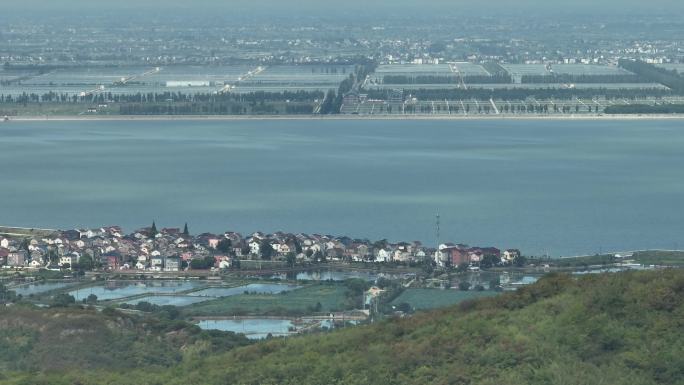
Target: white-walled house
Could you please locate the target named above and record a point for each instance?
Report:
(402, 255)
(510, 254)
(70, 259)
(35, 264)
(156, 263)
(172, 264)
(224, 263)
(383, 255)
(254, 247)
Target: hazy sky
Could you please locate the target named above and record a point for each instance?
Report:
(316, 6)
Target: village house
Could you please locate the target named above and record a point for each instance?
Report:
(92, 233)
(157, 263)
(335, 254)
(237, 251)
(277, 246)
(16, 259)
(33, 245)
(254, 246)
(285, 249)
(213, 243)
(141, 262)
(510, 255)
(69, 259)
(475, 255)
(35, 264)
(170, 249)
(443, 256)
(3, 256)
(111, 261)
(114, 231)
(182, 243)
(172, 264)
(37, 255)
(222, 261)
(357, 252)
(491, 251)
(383, 255)
(401, 256)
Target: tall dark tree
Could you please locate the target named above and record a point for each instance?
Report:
(153, 229)
(224, 245)
(266, 250)
(186, 232)
(291, 259)
(6, 295)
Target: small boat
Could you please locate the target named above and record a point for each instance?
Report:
(5, 119)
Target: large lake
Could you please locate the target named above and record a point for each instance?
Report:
(560, 187)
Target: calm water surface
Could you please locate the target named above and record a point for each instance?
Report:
(253, 328)
(560, 187)
(173, 300)
(122, 289)
(39, 288)
(258, 288)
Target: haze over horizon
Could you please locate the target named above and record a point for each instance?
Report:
(314, 8)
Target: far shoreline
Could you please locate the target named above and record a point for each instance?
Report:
(67, 118)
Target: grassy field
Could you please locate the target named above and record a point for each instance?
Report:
(422, 299)
(655, 257)
(583, 261)
(667, 258)
(300, 301)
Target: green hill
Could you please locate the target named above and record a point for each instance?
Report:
(57, 339)
(625, 328)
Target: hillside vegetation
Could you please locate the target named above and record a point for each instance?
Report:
(58, 339)
(621, 328)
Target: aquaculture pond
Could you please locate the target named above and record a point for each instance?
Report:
(333, 275)
(173, 300)
(258, 288)
(211, 293)
(122, 289)
(40, 287)
(253, 328)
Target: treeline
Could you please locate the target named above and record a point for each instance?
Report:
(485, 108)
(446, 79)
(235, 108)
(646, 109)
(654, 74)
(109, 97)
(333, 101)
(524, 93)
(569, 78)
